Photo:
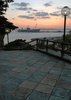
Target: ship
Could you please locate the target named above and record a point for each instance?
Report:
(29, 30)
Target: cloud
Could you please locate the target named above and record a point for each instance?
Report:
(13, 18)
(55, 13)
(34, 10)
(52, 14)
(24, 16)
(30, 8)
(28, 11)
(48, 4)
(22, 8)
(41, 14)
(22, 4)
(45, 17)
(59, 7)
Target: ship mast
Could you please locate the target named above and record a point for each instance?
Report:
(35, 25)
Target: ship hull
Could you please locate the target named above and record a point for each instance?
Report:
(31, 30)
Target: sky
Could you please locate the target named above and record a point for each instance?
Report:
(38, 13)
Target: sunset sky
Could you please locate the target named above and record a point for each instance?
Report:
(43, 13)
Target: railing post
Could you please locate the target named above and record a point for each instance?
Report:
(37, 44)
(53, 45)
(62, 52)
(46, 46)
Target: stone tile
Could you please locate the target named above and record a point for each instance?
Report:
(4, 63)
(64, 84)
(7, 68)
(64, 78)
(53, 76)
(21, 93)
(28, 84)
(4, 78)
(66, 72)
(48, 81)
(21, 61)
(29, 70)
(6, 89)
(8, 97)
(55, 72)
(49, 65)
(13, 81)
(57, 68)
(35, 95)
(44, 88)
(59, 65)
(44, 69)
(22, 76)
(57, 98)
(17, 69)
(37, 65)
(68, 66)
(11, 73)
(36, 77)
(14, 65)
(51, 62)
(61, 92)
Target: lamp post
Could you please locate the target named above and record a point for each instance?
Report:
(65, 12)
(7, 30)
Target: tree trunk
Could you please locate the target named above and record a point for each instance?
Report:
(1, 41)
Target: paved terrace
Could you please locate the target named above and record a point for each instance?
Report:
(32, 75)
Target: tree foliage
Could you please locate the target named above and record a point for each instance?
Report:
(4, 23)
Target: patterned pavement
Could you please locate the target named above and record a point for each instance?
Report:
(32, 75)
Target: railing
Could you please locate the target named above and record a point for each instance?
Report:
(46, 45)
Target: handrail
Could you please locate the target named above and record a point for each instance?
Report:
(46, 46)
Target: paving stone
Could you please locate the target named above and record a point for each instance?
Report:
(64, 78)
(59, 65)
(57, 68)
(17, 69)
(14, 65)
(53, 76)
(6, 88)
(36, 77)
(61, 92)
(8, 97)
(21, 93)
(7, 68)
(49, 65)
(57, 98)
(55, 72)
(28, 84)
(4, 78)
(44, 69)
(21, 61)
(14, 81)
(35, 95)
(44, 88)
(68, 66)
(22, 76)
(66, 72)
(29, 70)
(64, 84)
(48, 81)
(51, 62)
(11, 73)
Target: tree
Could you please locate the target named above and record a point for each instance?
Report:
(3, 21)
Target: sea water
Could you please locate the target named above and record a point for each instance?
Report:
(30, 35)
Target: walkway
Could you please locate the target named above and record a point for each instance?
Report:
(32, 75)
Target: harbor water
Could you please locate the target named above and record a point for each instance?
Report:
(30, 35)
